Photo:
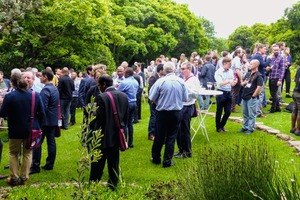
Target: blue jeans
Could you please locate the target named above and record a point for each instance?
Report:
(129, 131)
(152, 120)
(65, 111)
(207, 100)
(260, 102)
(249, 113)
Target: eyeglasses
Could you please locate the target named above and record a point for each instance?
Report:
(183, 68)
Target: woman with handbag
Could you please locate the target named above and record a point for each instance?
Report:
(17, 107)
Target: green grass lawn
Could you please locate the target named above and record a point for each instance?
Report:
(135, 165)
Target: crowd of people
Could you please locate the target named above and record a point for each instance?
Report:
(173, 89)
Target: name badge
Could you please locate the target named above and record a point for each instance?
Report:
(59, 122)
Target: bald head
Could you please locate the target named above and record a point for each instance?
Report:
(65, 71)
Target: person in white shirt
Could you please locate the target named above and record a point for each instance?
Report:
(192, 85)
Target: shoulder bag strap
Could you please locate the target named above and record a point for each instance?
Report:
(116, 117)
(32, 109)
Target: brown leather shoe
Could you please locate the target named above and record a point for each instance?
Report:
(12, 182)
(23, 181)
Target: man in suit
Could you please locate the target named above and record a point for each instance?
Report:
(81, 90)
(50, 99)
(110, 140)
(152, 119)
(65, 88)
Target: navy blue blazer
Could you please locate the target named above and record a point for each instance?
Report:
(90, 82)
(50, 99)
(17, 107)
(81, 92)
(7, 83)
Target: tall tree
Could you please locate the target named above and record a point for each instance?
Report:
(242, 36)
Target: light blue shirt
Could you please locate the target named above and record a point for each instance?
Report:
(236, 63)
(222, 75)
(36, 88)
(130, 87)
(168, 93)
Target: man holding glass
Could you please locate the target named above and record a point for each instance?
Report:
(225, 80)
(252, 83)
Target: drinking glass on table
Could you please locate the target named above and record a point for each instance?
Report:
(209, 85)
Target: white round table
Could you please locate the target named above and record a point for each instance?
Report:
(202, 115)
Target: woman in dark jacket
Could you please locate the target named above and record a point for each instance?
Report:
(17, 107)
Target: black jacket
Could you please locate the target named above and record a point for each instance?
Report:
(65, 87)
(105, 119)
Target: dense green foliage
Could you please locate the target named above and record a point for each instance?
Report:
(286, 29)
(78, 33)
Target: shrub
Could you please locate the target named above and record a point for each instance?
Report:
(238, 171)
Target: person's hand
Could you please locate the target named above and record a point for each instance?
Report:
(279, 83)
(234, 82)
(268, 68)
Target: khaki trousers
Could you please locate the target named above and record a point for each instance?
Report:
(16, 146)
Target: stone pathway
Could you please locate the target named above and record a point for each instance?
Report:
(260, 126)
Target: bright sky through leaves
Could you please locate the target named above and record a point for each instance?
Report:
(230, 14)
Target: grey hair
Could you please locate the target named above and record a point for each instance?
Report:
(15, 71)
(169, 67)
(187, 65)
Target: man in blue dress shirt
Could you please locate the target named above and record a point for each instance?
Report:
(168, 93)
(225, 80)
(130, 87)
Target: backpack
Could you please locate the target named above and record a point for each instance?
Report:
(289, 108)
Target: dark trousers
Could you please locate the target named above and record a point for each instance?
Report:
(73, 107)
(1, 148)
(287, 80)
(239, 98)
(48, 132)
(167, 125)
(152, 120)
(138, 109)
(235, 93)
(273, 91)
(65, 111)
(184, 137)
(224, 102)
(129, 127)
(112, 155)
